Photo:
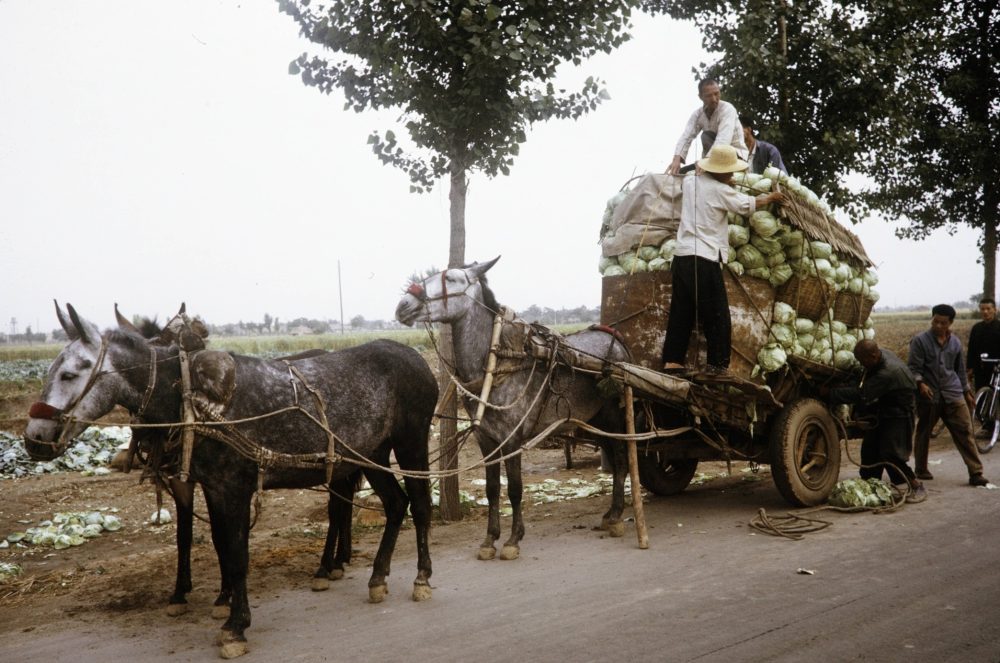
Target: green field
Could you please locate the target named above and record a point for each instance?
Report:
(267, 346)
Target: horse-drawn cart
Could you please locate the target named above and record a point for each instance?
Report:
(769, 415)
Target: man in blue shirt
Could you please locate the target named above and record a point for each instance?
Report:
(943, 393)
(762, 153)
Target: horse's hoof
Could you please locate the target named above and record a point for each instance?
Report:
(220, 612)
(616, 529)
(421, 591)
(230, 647)
(605, 523)
(336, 574)
(176, 609)
(377, 593)
(510, 552)
(320, 584)
(487, 553)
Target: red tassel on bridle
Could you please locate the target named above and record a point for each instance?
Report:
(417, 290)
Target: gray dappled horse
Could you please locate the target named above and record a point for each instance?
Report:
(153, 442)
(379, 398)
(462, 297)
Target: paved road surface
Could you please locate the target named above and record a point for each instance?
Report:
(922, 584)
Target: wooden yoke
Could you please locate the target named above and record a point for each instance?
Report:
(633, 468)
(491, 366)
(187, 408)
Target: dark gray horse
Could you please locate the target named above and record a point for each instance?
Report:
(378, 398)
(462, 297)
(153, 441)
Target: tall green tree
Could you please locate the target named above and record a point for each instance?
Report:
(939, 167)
(468, 78)
(905, 93)
(811, 72)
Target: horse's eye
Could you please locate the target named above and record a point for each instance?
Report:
(68, 376)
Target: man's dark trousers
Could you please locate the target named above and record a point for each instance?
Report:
(698, 291)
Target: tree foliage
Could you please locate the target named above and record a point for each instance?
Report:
(468, 77)
(939, 168)
(906, 93)
(811, 72)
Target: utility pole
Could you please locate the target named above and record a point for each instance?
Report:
(340, 293)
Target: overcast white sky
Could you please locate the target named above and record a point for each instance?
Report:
(153, 153)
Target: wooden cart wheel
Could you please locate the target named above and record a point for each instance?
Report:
(665, 476)
(805, 452)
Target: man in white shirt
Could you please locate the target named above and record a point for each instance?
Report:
(718, 122)
(698, 290)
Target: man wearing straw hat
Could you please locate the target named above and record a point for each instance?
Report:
(698, 291)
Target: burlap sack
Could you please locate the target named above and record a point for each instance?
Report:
(649, 214)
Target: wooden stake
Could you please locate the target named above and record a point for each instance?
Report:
(633, 468)
(187, 433)
(491, 365)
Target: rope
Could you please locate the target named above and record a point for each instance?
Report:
(794, 524)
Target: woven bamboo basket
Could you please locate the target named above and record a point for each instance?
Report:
(809, 296)
(853, 310)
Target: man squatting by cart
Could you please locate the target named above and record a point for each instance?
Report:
(700, 255)
(886, 394)
(943, 393)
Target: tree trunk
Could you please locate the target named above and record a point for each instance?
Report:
(448, 424)
(990, 252)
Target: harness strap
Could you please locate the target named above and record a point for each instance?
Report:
(331, 454)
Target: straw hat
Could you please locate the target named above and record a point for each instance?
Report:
(722, 159)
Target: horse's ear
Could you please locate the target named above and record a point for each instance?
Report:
(478, 269)
(183, 309)
(66, 323)
(124, 323)
(89, 333)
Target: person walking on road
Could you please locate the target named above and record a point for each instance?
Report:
(943, 393)
(887, 391)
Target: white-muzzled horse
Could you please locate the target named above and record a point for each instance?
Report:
(530, 396)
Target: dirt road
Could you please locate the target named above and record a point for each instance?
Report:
(920, 584)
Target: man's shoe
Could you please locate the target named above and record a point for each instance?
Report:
(916, 495)
(924, 475)
(978, 480)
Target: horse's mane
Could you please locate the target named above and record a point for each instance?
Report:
(149, 328)
(129, 339)
(489, 299)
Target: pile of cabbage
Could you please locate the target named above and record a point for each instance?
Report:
(89, 453)
(763, 246)
(827, 341)
(854, 493)
(67, 529)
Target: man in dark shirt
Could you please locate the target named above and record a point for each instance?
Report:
(762, 154)
(886, 391)
(984, 339)
(936, 364)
